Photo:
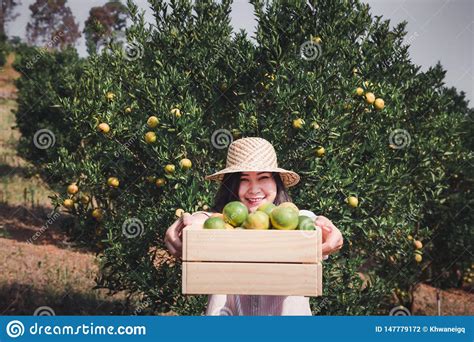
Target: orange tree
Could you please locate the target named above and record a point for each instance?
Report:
(383, 149)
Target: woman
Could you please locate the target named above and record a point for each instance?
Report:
(253, 177)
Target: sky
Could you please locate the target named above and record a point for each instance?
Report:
(437, 30)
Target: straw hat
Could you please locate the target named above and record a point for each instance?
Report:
(254, 154)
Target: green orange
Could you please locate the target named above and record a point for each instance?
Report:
(305, 223)
(214, 223)
(289, 205)
(257, 220)
(266, 207)
(285, 218)
(235, 213)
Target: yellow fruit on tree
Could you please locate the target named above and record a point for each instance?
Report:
(315, 125)
(179, 212)
(418, 257)
(103, 127)
(97, 214)
(320, 151)
(128, 110)
(150, 137)
(353, 201)
(160, 182)
(72, 189)
(110, 96)
(298, 123)
(409, 237)
(369, 97)
(176, 112)
(152, 121)
(418, 244)
(185, 164)
(169, 169)
(68, 203)
(113, 182)
(379, 104)
(84, 199)
(317, 40)
(359, 91)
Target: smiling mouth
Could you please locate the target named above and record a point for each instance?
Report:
(255, 200)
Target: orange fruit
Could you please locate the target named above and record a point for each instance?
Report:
(97, 214)
(103, 127)
(110, 96)
(266, 207)
(257, 220)
(315, 125)
(298, 123)
(418, 244)
(214, 223)
(150, 137)
(68, 203)
(113, 182)
(176, 112)
(289, 205)
(305, 223)
(235, 213)
(352, 201)
(160, 182)
(179, 212)
(72, 189)
(317, 40)
(418, 258)
(320, 151)
(379, 104)
(185, 163)
(284, 218)
(369, 97)
(152, 121)
(169, 169)
(128, 110)
(359, 91)
(84, 199)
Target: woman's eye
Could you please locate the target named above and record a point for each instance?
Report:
(244, 180)
(265, 177)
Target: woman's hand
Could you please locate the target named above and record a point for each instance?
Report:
(332, 237)
(174, 234)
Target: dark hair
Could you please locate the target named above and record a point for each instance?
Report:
(229, 191)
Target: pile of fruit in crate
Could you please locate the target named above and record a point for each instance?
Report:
(267, 216)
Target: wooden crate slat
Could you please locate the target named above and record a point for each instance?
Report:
(243, 245)
(252, 278)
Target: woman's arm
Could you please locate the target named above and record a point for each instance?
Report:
(173, 236)
(332, 237)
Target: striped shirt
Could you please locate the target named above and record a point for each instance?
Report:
(259, 305)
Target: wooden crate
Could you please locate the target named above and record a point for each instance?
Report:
(256, 262)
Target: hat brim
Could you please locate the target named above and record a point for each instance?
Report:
(289, 178)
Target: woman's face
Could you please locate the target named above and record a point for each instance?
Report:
(257, 188)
